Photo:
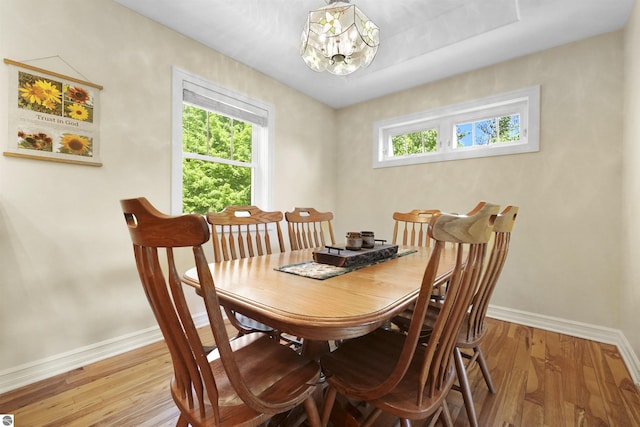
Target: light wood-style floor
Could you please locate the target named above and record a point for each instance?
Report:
(543, 379)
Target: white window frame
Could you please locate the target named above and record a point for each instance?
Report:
(232, 104)
(525, 102)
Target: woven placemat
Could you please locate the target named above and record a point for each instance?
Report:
(315, 270)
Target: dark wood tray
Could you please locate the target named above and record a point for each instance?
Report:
(341, 257)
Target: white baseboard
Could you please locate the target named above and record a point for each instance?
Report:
(29, 373)
(19, 376)
(575, 329)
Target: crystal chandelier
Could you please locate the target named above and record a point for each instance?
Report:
(339, 38)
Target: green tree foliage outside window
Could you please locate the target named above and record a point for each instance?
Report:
(220, 178)
(415, 143)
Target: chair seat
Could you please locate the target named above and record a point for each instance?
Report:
(464, 340)
(364, 360)
(230, 414)
(367, 361)
(285, 375)
(467, 339)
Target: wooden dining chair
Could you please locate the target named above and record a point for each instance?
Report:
(410, 229)
(474, 328)
(244, 232)
(309, 228)
(243, 382)
(397, 374)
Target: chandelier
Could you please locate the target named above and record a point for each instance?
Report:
(339, 38)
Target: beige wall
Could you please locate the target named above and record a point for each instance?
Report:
(565, 255)
(66, 266)
(630, 285)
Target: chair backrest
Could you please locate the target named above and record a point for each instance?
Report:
(244, 231)
(469, 235)
(410, 228)
(498, 254)
(194, 387)
(309, 228)
(151, 230)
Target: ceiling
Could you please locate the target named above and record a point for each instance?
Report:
(420, 40)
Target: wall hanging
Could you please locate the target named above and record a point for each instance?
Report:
(52, 116)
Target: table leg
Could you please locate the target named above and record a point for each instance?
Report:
(313, 349)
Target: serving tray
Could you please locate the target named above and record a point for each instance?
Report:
(340, 257)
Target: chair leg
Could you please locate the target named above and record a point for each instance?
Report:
(485, 369)
(329, 400)
(436, 416)
(182, 421)
(446, 415)
(465, 389)
(313, 417)
(372, 417)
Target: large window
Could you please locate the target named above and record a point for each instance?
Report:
(503, 124)
(220, 147)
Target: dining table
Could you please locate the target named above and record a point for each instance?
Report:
(320, 303)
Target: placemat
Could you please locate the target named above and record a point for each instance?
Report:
(318, 271)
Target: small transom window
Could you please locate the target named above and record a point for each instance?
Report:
(503, 124)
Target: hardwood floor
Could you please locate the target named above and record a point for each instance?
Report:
(543, 379)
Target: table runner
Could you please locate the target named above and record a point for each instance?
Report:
(318, 271)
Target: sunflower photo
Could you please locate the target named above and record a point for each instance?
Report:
(39, 94)
(78, 103)
(35, 141)
(75, 144)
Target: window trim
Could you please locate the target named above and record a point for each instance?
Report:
(527, 101)
(262, 153)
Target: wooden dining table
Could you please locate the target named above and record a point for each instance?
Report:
(341, 307)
